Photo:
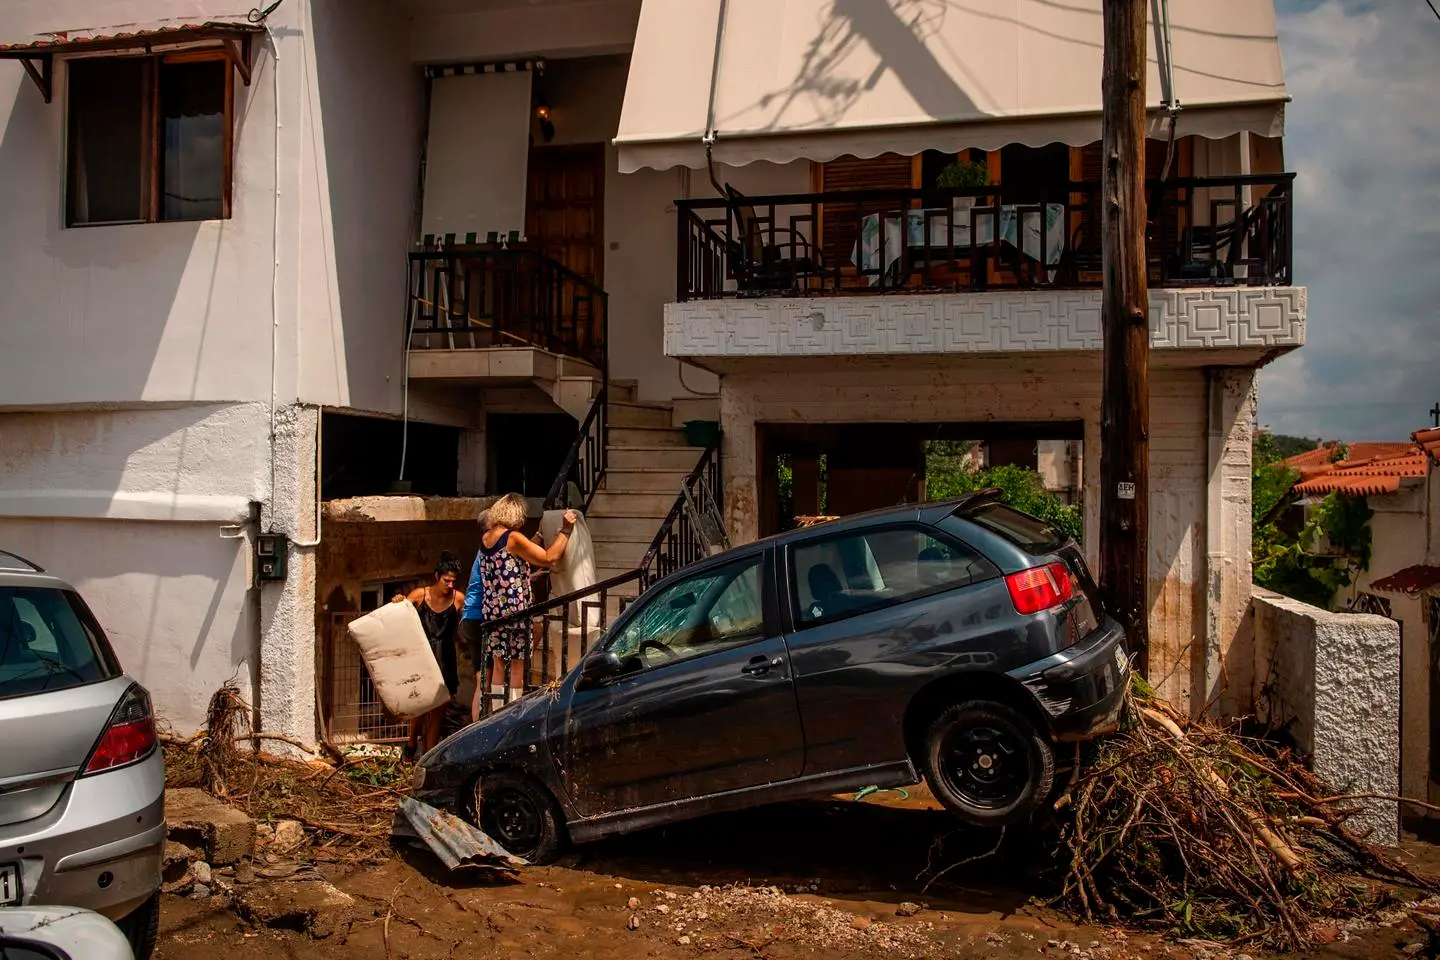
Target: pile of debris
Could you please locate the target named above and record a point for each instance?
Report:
(346, 806)
(1187, 826)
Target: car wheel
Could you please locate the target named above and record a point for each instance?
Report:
(142, 927)
(987, 763)
(520, 815)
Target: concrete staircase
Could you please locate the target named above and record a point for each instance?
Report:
(647, 459)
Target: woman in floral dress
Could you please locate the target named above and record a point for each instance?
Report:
(506, 556)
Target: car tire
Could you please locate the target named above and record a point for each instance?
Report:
(987, 763)
(142, 927)
(519, 814)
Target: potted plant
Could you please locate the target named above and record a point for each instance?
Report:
(962, 175)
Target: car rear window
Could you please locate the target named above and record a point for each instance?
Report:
(49, 641)
(1026, 532)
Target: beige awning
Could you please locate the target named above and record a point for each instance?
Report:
(819, 79)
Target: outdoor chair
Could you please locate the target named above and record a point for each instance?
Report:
(758, 263)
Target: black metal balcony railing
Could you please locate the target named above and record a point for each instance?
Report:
(1202, 231)
(467, 298)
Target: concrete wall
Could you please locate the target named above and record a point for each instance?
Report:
(444, 32)
(1332, 679)
(359, 156)
(927, 389)
(585, 97)
(162, 312)
(171, 597)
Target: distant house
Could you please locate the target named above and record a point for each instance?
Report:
(1401, 484)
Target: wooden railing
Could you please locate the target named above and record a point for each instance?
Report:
(481, 296)
(1202, 231)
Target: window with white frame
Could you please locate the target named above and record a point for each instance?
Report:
(149, 138)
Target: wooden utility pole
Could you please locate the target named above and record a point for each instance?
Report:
(1125, 319)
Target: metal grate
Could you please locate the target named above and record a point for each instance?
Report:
(356, 713)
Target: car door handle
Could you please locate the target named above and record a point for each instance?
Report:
(759, 665)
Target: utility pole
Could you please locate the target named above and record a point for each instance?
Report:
(1125, 319)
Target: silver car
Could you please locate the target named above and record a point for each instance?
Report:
(82, 778)
(59, 933)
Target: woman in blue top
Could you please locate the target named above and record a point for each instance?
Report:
(500, 586)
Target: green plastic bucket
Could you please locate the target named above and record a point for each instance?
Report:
(701, 433)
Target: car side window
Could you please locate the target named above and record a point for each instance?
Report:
(862, 571)
(695, 616)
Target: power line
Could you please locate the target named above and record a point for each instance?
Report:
(1431, 5)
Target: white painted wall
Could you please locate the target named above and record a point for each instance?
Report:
(440, 34)
(359, 156)
(170, 596)
(585, 98)
(166, 312)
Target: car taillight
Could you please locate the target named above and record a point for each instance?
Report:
(128, 737)
(1040, 588)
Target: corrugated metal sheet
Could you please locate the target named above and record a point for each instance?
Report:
(160, 31)
(457, 843)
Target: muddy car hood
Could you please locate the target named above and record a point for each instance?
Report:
(513, 737)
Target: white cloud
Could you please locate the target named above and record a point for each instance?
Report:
(1363, 135)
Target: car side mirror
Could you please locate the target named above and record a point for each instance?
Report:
(597, 670)
(683, 602)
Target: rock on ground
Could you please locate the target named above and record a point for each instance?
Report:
(313, 906)
(197, 819)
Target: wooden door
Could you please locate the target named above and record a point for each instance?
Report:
(565, 213)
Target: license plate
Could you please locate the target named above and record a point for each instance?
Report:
(9, 884)
(1122, 661)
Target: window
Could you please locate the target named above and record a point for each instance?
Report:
(1026, 532)
(149, 139)
(859, 572)
(47, 642)
(713, 610)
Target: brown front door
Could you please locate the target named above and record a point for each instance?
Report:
(565, 215)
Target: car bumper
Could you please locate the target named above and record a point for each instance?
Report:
(1082, 690)
(99, 847)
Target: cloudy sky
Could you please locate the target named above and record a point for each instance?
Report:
(1363, 135)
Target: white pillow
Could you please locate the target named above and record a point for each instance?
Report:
(398, 657)
(575, 570)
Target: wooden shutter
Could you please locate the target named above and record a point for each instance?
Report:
(839, 221)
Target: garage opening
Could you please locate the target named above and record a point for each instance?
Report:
(360, 457)
(813, 471)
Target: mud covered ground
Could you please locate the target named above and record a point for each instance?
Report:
(814, 880)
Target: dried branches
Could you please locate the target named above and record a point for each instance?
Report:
(1213, 836)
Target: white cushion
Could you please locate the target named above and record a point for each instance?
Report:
(398, 657)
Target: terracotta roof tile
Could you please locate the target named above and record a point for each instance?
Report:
(167, 31)
(1369, 470)
(1429, 441)
(1411, 580)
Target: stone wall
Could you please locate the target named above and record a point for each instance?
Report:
(1332, 681)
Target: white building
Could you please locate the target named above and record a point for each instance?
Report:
(207, 309)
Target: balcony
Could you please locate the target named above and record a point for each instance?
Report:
(496, 315)
(965, 271)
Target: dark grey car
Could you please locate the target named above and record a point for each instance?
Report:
(959, 641)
